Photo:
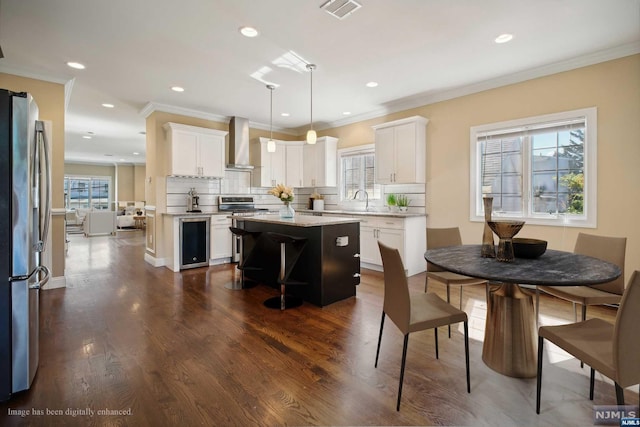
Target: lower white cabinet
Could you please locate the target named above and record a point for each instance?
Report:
(220, 237)
(407, 234)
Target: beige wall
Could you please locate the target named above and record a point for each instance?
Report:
(139, 182)
(50, 99)
(613, 87)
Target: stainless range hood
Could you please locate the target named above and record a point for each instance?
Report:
(239, 144)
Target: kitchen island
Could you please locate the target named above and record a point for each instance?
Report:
(329, 263)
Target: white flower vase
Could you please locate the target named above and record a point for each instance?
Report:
(287, 211)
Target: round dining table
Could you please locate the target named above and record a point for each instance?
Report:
(510, 343)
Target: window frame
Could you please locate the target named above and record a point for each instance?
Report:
(355, 151)
(90, 199)
(588, 219)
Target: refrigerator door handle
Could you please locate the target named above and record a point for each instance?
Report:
(41, 144)
(40, 283)
(37, 270)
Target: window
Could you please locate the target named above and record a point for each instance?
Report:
(87, 192)
(357, 172)
(540, 169)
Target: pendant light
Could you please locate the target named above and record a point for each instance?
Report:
(271, 144)
(311, 134)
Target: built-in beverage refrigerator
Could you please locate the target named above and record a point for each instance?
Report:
(24, 222)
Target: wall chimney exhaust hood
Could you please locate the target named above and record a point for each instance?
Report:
(239, 144)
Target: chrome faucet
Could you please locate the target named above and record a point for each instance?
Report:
(366, 198)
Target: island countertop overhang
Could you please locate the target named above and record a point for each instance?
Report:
(300, 220)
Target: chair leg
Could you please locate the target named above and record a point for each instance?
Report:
(449, 301)
(619, 394)
(592, 379)
(435, 335)
(426, 282)
(539, 376)
(404, 359)
(584, 317)
(575, 313)
(460, 305)
(537, 308)
(466, 354)
(379, 339)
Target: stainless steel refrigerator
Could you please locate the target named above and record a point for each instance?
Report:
(24, 222)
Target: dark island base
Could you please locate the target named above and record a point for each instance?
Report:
(329, 272)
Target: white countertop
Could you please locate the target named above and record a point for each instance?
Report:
(300, 220)
(363, 213)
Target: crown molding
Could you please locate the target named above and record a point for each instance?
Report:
(22, 72)
(420, 100)
(152, 107)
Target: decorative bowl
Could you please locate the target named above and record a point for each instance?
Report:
(528, 248)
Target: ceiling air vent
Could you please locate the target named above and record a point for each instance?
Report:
(340, 8)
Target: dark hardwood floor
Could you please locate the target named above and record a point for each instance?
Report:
(180, 349)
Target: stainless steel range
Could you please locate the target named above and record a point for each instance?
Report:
(237, 207)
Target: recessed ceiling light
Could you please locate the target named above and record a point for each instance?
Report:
(135, 153)
(122, 160)
(248, 31)
(285, 114)
(86, 137)
(372, 84)
(76, 65)
(503, 38)
(346, 113)
(108, 105)
(177, 89)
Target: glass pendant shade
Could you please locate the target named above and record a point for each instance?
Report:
(271, 146)
(312, 137)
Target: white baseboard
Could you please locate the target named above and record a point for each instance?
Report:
(219, 261)
(156, 262)
(55, 283)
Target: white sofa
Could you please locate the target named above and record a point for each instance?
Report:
(99, 222)
(125, 219)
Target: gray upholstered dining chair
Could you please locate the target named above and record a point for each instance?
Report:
(440, 238)
(414, 312)
(610, 249)
(613, 350)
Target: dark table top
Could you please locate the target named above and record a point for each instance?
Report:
(552, 268)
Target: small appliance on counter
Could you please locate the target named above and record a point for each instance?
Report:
(193, 201)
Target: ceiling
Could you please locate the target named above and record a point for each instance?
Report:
(419, 51)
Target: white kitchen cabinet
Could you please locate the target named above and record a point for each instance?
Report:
(408, 234)
(319, 167)
(270, 168)
(220, 237)
(401, 151)
(294, 163)
(195, 151)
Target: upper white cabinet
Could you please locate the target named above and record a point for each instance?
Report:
(294, 163)
(319, 167)
(401, 151)
(269, 167)
(195, 151)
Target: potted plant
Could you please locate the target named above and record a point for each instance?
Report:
(391, 200)
(403, 202)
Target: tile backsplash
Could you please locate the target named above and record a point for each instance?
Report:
(238, 183)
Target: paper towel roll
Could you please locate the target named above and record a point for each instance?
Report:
(318, 205)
